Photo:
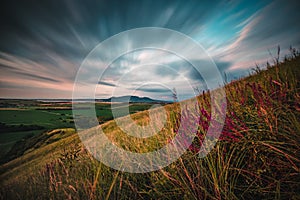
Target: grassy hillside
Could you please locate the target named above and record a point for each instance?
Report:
(257, 156)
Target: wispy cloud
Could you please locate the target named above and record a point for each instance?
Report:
(155, 90)
(44, 44)
(276, 24)
(107, 83)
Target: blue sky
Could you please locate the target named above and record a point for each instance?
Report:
(43, 43)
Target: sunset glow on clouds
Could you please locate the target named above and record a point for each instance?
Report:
(44, 43)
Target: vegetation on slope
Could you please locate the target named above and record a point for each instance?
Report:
(257, 156)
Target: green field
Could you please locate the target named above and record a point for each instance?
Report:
(49, 117)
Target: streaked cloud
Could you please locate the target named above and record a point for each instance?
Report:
(42, 45)
(154, 90)
(107, 83)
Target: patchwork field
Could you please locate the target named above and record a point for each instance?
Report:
(20, 119)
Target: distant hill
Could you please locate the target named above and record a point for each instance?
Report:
(132, 99)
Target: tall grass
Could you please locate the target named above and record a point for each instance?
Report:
(257, 156)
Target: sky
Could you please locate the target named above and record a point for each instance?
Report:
(44, 43)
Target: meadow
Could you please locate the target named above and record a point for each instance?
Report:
(256, 157)
(25, 118)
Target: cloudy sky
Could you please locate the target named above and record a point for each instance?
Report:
(44, 43)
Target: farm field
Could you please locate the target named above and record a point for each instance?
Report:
(19, 118)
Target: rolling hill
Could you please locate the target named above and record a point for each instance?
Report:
(257, 156)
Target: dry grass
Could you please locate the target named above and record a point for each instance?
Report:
(256, 158)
